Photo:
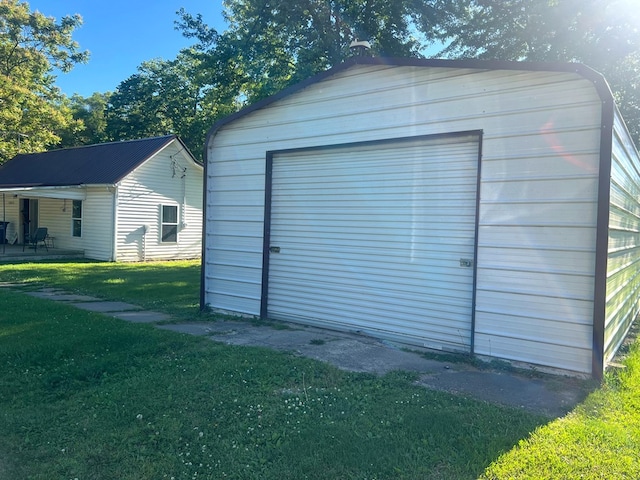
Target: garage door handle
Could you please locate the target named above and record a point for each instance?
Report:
(274, 249)
(466, 262)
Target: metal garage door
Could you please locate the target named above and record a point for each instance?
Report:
(376, 237)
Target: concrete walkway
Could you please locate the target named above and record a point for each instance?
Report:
(548, 395)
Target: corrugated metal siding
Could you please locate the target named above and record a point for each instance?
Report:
(623, 267)
(538, 128)
(536, 248)
(140, 195)
(371, 239)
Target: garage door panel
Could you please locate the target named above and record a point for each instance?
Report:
(404, 318)
(299, 229)
(351, 224)
(371, 238)
(392, 284)
(349, 294)
(386, 180)
(375, 321)
(384, 187)
(433, 267)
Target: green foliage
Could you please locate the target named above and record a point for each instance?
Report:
(90, 122)
(87, 396)
(602, 34)
(168, 97)
(31, 46)
(592, 31)
(269, 46)
(599, 439)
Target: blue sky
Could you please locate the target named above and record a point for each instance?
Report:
(121, 34)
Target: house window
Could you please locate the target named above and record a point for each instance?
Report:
(169, 223)
(76, 218)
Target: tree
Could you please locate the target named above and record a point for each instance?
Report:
(31, 47)
(271, 44)
(167, 97)
(602, 34)
(268, 45)
(89, 124)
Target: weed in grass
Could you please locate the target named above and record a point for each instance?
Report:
(317, 341)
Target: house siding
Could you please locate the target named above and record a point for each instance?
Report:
(97, 224)
(538, 195)
(623, 262)
(11, 214)
(55, 214)
(140, 195)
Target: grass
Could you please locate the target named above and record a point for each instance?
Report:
(86, 396)
(172, 287)
(600, 439)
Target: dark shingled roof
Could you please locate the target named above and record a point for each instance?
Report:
(102, 164)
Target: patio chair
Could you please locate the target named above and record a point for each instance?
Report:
(38, 237)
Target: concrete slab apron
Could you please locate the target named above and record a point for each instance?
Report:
(548, 396)
(141, 316)
(346, 351)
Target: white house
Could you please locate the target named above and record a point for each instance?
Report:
(489, 208)
(122, 201)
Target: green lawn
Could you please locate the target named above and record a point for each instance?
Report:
(172, 287)
(600, 439)
(86, 396)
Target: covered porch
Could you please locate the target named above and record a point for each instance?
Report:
(15, 253)
(24, 209)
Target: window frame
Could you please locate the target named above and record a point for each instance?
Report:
(169, 224)
(76, 221)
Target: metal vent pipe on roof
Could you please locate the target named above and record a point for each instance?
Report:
(359, 47)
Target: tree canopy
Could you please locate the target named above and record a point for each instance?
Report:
(271, 44)
(31, 47)
(602, 34)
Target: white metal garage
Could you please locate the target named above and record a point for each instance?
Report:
(377, 237)
(484, 207)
